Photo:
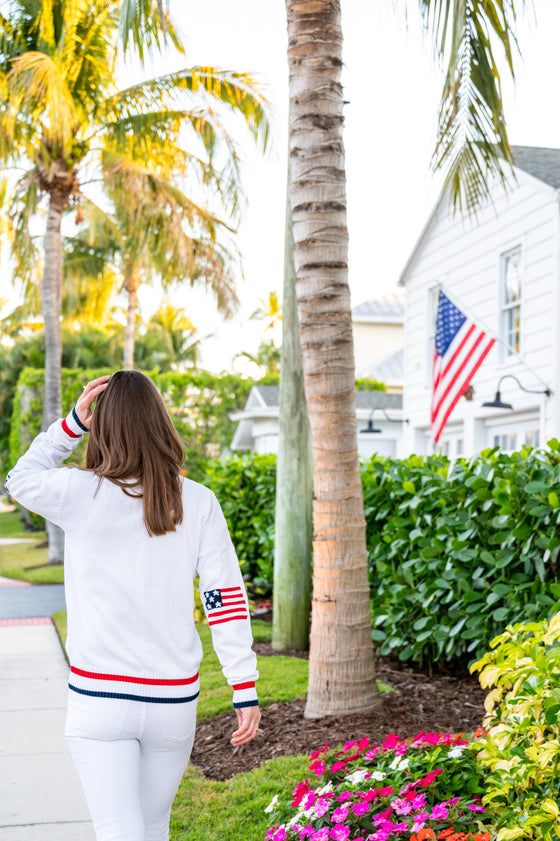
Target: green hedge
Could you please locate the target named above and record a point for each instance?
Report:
(200, 404)
(457, 554)
(246, 487)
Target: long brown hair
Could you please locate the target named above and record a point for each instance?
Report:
(133, 443)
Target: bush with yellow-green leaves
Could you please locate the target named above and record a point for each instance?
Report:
(520, 754)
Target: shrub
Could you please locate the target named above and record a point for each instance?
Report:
(456, 554)
(429, 785)
(521, 750)
(245, 487)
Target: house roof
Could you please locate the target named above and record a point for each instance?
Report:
(541, 163)
(389, 370)
(388, 307)
(364, 399)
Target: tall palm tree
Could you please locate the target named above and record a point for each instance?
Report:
(65, 123)
(472, 145)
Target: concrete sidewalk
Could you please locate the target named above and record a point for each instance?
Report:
(41, 798)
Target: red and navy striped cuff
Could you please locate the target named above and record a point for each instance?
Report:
(245, 694)
(73, 426)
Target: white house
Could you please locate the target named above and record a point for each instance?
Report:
(379, 416)
(503, 268)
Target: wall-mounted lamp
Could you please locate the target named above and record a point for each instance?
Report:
(370, 425)
(498, 403)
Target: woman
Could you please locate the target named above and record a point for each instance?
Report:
(136, 536)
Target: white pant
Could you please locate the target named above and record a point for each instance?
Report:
(131, 756)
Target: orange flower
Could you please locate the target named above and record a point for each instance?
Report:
(426, 833)
(446, 833)
(482, 836)
(480, 731)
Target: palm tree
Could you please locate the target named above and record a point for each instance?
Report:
(65, 123)
(471, 139)
(170, 342)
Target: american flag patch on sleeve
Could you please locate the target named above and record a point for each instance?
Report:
(225, 605)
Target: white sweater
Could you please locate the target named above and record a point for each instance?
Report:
(130, 597)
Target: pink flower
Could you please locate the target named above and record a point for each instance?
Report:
(345, 795)
(337, 766)
(306, 831)
(391, 742)
(371, 753)
(401, 806)
(401, 749)
(439, 812)
(279, 835)
(361, 808)
(318, 767)
(309, 799)
(340, 833)
(419, 821)
(474, 808)
(419, 802)
(400, 827)
(317, 753)
(386, 792)
(339, 815)
(321, 834)
(369, 795)
(452, 801)
(321, 807)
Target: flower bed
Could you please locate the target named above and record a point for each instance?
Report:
(425, 787)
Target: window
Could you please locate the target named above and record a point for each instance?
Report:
(532, 437)
(511, 302)
(459, 446)
(507, 441)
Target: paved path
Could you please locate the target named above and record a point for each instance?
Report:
(18, 601)
(41, 798)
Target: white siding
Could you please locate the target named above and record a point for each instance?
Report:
(465, 256)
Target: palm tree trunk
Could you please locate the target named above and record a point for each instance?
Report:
(341, 664)
(51, 302)
(294, 478)
(129, 336)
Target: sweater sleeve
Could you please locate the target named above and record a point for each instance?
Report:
(225, 603)
(35, 481)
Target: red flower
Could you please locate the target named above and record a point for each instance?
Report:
(446, 832)
(300, 791)
(480, 731)
(337, 766)
(317, 753)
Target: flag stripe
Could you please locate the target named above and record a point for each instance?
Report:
(223, 612)
(460, 348)
(129, 679)
(229, 619)
(464, 384)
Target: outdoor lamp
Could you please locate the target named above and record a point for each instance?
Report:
(498, 403)
(371, 428)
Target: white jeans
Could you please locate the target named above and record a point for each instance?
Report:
(131, 756)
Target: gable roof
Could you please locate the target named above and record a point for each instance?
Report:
(389, 307)
(542, 163)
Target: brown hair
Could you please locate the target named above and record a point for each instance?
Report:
(133, 443)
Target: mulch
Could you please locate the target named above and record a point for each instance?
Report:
(420, 702)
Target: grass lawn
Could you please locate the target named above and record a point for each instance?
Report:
(232, 810)
(11, 525)
(14, 558)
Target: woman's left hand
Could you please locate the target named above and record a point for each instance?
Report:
(86, 398)
(248, 718)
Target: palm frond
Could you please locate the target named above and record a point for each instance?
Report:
(148, 25)
(37, 86)
(239, 92)
(472, 147)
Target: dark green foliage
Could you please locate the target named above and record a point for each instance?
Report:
(455, 558)
(200, 404)
(245, 487)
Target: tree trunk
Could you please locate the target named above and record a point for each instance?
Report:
(129, 336)
(341, 664)
(294, 478)
(51, 303)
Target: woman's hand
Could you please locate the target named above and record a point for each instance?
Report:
(248, 718)
(86, 398)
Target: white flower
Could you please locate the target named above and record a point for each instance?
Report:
(272, 803)
(294, 820)
(457, 751)
(356, 777)
(378, 776)
(329, 787)
(399, 764)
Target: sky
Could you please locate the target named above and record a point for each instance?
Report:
(392, 86)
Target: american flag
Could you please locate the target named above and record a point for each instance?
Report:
(460, 349)
(225, 605)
